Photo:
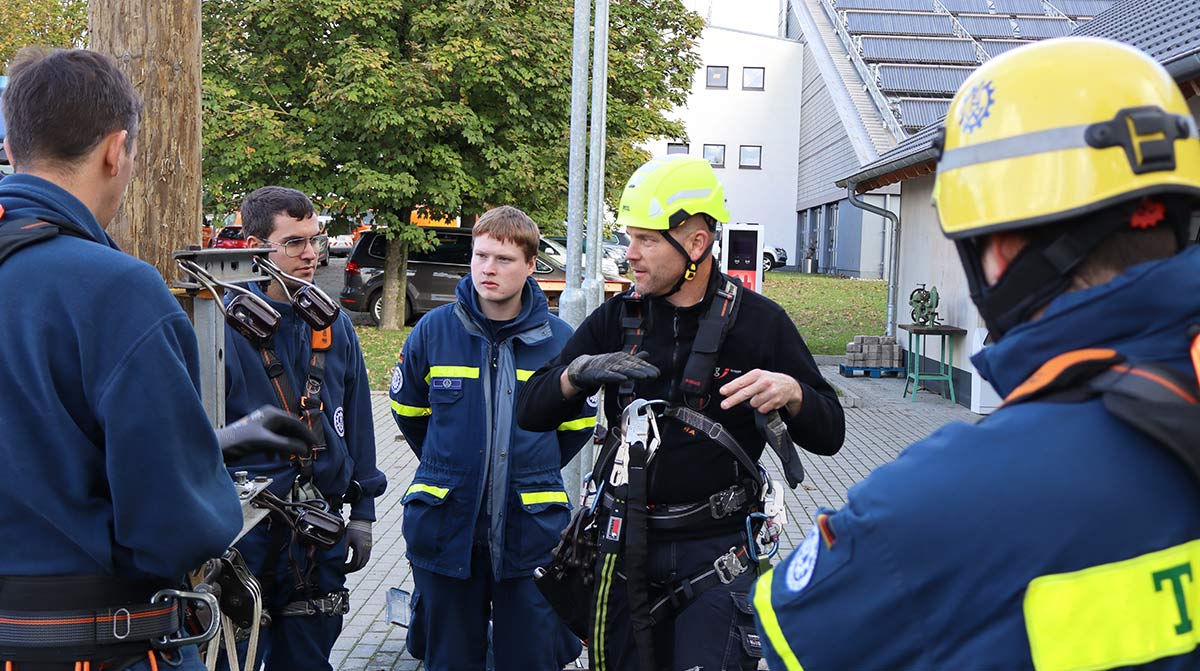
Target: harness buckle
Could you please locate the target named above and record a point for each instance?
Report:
(728, 566)
(122, 615)
(727, 501)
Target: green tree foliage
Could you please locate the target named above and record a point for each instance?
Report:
(40, 23)
(387, 105)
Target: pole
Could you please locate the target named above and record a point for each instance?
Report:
(572, 303)
(593, 283)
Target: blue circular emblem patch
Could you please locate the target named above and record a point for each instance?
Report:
(804, 562)
(977, 107)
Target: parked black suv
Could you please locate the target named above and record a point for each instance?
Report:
(433, 275)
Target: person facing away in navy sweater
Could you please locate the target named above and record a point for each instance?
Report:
(487, 502)
(113, 486)
(304, 584)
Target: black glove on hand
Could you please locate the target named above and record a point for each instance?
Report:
(266, 430)
(589, 372)
(358, 540)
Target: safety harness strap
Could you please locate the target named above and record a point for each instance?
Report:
(632, 310)
(89, 628)
(684, 593)
(20, 233)
(1156, 400)
(332, 604)
(717, 433)
(714, 326)
(636, 552)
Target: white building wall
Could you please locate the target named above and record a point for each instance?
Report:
(754, 16)
(734, 117)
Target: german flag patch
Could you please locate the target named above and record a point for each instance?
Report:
(826, 530)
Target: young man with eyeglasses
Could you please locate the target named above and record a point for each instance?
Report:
(299, 368)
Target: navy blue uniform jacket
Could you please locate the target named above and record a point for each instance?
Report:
(349, 429)
(1048, 535)
(110, 465)
(453, 393)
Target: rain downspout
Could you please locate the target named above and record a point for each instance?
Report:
(893, 277)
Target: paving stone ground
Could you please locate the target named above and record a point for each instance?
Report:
(878, 425)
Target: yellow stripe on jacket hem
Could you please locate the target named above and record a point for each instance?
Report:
(410, 410)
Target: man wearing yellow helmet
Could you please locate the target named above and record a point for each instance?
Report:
(1061, 531)
(726, 361)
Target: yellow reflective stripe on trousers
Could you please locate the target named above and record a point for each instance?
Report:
(452, 371)
(534, 498)
(596, 649)
(577, 424)
(770, 623)
(523, 375)
(437, 492)
(1120, 614)
(410, 410)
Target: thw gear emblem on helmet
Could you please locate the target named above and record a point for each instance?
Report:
(978, 106)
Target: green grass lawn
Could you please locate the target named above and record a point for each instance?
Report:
(829, 311)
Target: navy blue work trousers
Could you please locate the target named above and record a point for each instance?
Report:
(449, 625)
(716, 631)
(294, 642)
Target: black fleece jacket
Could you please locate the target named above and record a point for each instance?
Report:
(689, 468)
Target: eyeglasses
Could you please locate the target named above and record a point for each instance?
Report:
(296, 246)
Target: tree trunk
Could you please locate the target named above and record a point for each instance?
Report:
(395, 281)
(395, 278)
(157, 43)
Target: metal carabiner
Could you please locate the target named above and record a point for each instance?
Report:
(214, 625)
(752, 545)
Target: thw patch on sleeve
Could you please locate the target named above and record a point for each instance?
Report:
(804, 563)
(397, 380)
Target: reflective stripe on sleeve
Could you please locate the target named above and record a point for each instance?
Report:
(577, 424)
(410, 410)
(1125, 613)
(770, 624)
(534, 498)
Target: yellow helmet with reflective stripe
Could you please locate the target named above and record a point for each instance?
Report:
(1058, 129)
(665, 191)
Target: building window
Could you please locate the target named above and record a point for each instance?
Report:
(677, 148)
(754, 79)
(717, 77)
(750, 156)
(715, 154)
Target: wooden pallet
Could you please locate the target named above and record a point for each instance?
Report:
(875, 372)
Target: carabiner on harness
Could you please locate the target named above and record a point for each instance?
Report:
(767, 537)
(314, 306)
(203, 598)
(247, 313)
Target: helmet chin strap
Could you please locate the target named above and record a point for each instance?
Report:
(689, 270)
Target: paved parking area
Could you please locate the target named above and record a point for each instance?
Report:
(878, 425)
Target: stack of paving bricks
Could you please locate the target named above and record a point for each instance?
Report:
(873, 352)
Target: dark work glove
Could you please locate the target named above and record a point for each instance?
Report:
(265, 431)
(358, 540)
(591, 371)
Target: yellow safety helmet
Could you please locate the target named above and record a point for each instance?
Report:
(665, 192)
(1060, 128)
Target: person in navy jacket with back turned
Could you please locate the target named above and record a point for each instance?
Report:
(112, 486)
(487, 502)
